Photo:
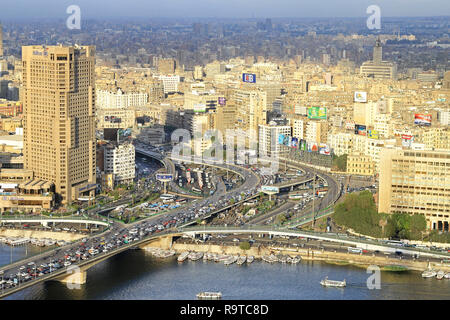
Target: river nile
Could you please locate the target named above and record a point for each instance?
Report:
(136, 274)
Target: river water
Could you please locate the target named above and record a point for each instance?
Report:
(136, 274)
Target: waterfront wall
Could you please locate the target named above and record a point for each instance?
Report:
(20, 233)
(342, 258)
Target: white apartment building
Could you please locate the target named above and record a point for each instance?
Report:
(383, 126)
(107, 99)
(341, 142)
(170, 83)
(444, 118)
(120, 161)
(298, 128)
(268, 139)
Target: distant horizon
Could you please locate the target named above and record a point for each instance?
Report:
(222, 9)
(211, 18)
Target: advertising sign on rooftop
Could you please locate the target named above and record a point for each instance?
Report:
(249, 77)
(422, 119)
(360, 96)
(319, 113)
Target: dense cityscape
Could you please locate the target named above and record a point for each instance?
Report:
(252, 143)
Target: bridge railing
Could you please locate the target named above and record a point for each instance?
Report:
(304, 233)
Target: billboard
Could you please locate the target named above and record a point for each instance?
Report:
(360, 96)
(324, 149)
(284, 140)
(373, 134)
(294, 143)
(164, 177)
(422, 119)
(270, 189)
(249, 77)
(302, 144)
(199, 107)
(222, 101)
(360, 129)
(317, 113)
(313, 147)
(407, 140)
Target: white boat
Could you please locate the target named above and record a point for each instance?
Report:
(194, 256)
(447, 275)
(440, 275)
(230, 260)
(282, 258)
(333, 283)
(222, 258)
(183, 256)
(429, 274)
(250, 259)
(295, 260)
(209, 295)
(241, 260)
(270, 259)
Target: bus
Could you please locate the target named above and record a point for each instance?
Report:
(295, 195)
(167, 196)
(395, 243)
(181, 200)
(354, 250)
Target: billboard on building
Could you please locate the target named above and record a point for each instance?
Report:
(222, 101)
(249, 77)
(313, 147)
(302, 144)
(407, 140)
(422, 119)
(360, 96)
(373, 134)
(280, 138)
(294, 142)
(199, 107)
(324, 149)
(360, 129)
(319, 113)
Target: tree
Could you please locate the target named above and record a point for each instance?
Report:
(340, 162)
(244, 245)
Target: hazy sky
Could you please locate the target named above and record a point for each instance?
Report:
(13, 9)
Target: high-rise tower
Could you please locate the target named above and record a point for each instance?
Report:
(378, 52)
(59, 117)
(1, 41)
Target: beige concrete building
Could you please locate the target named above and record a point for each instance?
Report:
(416, 182)
(360, 164)
(59, 117)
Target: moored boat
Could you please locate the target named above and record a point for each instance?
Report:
(241, 260)
(183, 256)
(250, 259)
(429, 274)
(440, 275)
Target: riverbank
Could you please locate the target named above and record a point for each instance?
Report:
(37, 234)
(331, 257)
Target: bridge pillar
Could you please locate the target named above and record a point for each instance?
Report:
(77, 277)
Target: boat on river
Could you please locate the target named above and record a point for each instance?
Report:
(440, 275)
(250, 259)
(270, 259)
(429, 274)
(209, 295)
(183, 256)
(333, 283)
(241, 260)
